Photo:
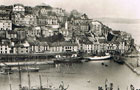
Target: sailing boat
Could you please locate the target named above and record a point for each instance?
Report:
(5, 70)
(61, 87)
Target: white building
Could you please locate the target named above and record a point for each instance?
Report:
(38, 47)
(5, 25)
(35, 31)
(96, 28)
(18, 8)
(30, 20)
(63, 47)
(4, 48)
(46, 31)
(59, 11)
(22, 48)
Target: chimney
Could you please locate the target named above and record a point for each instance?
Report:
(66, 25)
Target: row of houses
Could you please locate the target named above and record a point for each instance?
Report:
(40, 15)
(26, 47)
(35, 46)
(21, 23)
(98, 46)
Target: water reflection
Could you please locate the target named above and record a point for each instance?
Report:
(83, 76)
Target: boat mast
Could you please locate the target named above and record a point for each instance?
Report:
(9, 81)
(29, 82)
(40, 82)
(106, 84)
(47, 82)
(20, 85)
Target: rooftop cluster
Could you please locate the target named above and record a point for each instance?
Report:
(41, 29)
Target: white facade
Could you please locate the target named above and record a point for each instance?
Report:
(26, 20)
(65, 32)
(4, 49)
(30, 20)
(18, 8)
(5, 25)
(59, 11)
(36, 31)
(63, 47)
(88, 48)
(46, 32)
(56, 49)
(96, 28)
(38, 48)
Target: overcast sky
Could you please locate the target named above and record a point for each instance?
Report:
(94, 8)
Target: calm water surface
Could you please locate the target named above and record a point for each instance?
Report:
(77, 76)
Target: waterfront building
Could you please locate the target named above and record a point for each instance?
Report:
(5, 47)
(5, 25)
(122, 47)
(21, 48)
(38, 47)
(112, 46)
(63, 47)
(84, 44)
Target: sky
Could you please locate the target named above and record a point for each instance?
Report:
(94, 8)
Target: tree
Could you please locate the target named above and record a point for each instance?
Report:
(75, 13)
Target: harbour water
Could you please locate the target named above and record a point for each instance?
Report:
(82, 76)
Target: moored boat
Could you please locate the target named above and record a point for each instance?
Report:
(72, 58)
(25, 69)
(94, 58)
(6, 71)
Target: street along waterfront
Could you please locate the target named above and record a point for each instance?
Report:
(81, 76)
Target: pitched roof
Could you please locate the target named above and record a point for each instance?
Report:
(63, 44)
(116, 32)
(84, 40)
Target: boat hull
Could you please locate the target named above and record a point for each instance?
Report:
(98, 58)
(68, 60)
